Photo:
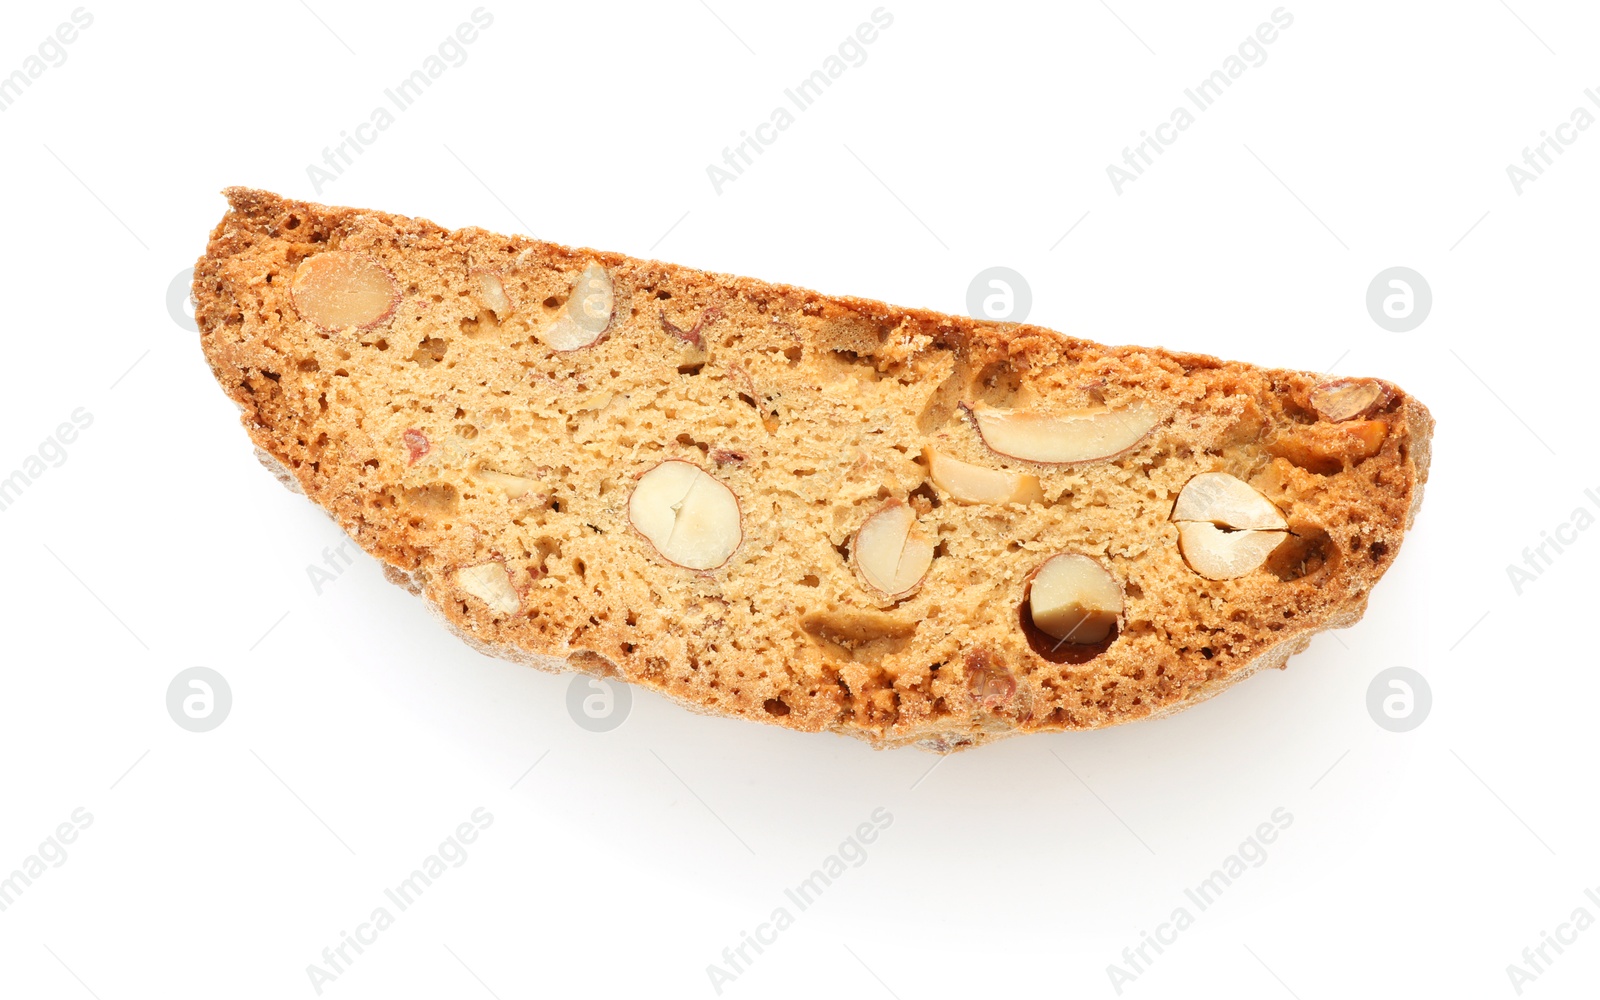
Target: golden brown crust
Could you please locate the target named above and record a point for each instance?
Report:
(813, 410)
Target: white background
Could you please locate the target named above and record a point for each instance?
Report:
(361, 734)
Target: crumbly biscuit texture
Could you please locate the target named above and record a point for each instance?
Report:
(825, 513)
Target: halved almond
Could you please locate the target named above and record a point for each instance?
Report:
(337, 290)
(691, 519)
(587, 314)
(1217, 554)
(1073, 598)
(1349, 398)
(514, 487)
(968, 483)
(492, 293)
(490, 583)
(1062, 437)
(1226, 500)
(1226, 528)
(890, 551)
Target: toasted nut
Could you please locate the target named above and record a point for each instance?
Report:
(1222, 555)
(490, 583)
(989, 681)
(1327, 448)
(492, 293)
(514, 487)
(691, 336)
(587, 315)
(1059, 438)
(1226, 500)
(891, 552)
(691, 519)
(1349, 398)
(1225, 527)
(337, 290)
(1073, 598)
(416, 444)
(1364, 437)
(967, 483)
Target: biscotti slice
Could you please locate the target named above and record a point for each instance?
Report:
(817, 512)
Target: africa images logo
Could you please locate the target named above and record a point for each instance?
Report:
(1252, 52)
